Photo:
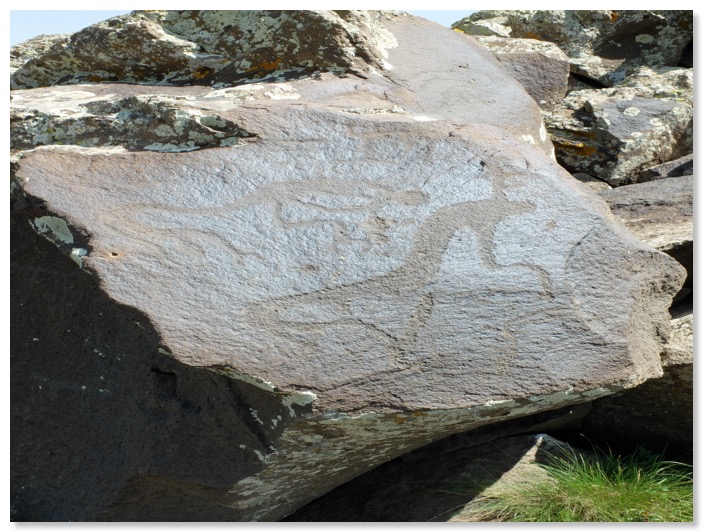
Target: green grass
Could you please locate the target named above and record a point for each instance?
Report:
(601, 488)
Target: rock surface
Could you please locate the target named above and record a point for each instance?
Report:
(541, 67)
(21, 53)
(614, 134)
(265, 291)
(675, 168)
(660, 411)
(606, 46)
(221, 47)
(659, 213)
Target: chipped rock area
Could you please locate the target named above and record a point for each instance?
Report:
(603, 45)
(149, 122)
(305, 279)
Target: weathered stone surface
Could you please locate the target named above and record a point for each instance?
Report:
(676, 168)
(614, 134)
(31, 48)
(210, 47)
(458, 80)
(660, 213)
(137, 122)
(541, 67)
(678, 350)
(380, 263)
(297, 257)
(441, 482)
(606, 46)
(660, 411)
(428, 85)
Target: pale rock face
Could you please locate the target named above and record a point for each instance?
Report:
(485, 23)
(343, 270)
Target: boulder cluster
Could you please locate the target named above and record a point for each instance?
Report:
(257, 254)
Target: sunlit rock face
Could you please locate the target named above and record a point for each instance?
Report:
(228, 300)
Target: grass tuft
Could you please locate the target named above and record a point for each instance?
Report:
(598, 488)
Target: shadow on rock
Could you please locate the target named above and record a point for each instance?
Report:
(101, 415)
(436, 482)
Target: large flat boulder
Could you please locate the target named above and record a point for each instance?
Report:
(263, 292)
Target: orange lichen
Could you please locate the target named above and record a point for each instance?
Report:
(202, 72)
(266, 65)
(578, 148)
(533, 35)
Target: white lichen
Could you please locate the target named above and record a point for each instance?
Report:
(55, 228)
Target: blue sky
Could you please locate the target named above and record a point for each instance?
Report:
(27, 24)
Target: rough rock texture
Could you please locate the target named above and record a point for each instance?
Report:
(448, 80)
(438, 483)
(210, 47)
(660, 411)
(606, 46)
(659, 213)
(541, 67)
(136, 122)
(675, 168)
(372, 264)
(614, 134)
(31, 48)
